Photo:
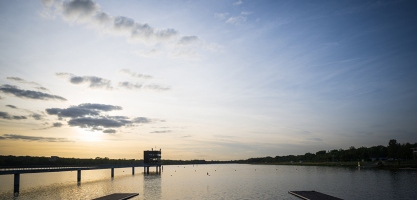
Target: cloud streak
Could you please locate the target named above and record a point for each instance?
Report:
(89, 12)
(29, 94)
(238, 3)
(135, 75)
(92, 81)
(20, 80)
(110, 131)
(97, 82)
(131, 86)
(91, 116)
(33, 138)
(5, 115)
(164, 131)
(86, 109)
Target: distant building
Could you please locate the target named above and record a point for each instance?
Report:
(53, 158)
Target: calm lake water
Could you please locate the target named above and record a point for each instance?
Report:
(225, 181)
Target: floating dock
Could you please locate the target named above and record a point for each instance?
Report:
(312, 195)
(118, 196)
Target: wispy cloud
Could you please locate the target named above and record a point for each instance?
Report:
(91, 116)
(111, 131)
(5, 115)
(11, 106)
(142, 120)
(57, 124)
(54, 125)
(89, 12)
(42, 88)
(92, 81)
(29, 94)
(221, 16)
(86, 109)
(236, 20)
(164, 131)
(36, 116)
(156, 87)
(20, 80)
(238, 3)
(100, 121)
(137, 86)
(129, 85)
(186, 40)
(33, 138)
(97, 82)
(135, 75)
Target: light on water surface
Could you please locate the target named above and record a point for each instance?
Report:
(217, 181)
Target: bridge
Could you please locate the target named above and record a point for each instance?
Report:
(16, 171)
(151, 159)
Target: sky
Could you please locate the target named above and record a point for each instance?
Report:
(213, 80)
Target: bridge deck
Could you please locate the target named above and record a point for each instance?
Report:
(26, 170)
(118, 196)
(312, 195)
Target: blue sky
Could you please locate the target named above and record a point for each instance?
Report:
(205, 79)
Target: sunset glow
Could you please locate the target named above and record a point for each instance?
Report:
(215, 80)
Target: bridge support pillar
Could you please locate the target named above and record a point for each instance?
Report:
(133, 170)
(16, 185)
(112, 172)
(78, 176)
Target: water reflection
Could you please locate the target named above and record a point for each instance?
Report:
(152, 186)
(226, 181)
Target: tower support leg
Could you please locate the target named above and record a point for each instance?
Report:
(78, 176)
(16, 185)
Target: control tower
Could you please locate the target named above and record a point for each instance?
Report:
(152, 158)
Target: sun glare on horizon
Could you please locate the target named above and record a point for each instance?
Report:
(89, 136)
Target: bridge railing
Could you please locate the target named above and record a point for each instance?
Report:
(42, 168)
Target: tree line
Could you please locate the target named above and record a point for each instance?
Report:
(393, 151)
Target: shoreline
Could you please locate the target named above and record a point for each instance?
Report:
(363, 165)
